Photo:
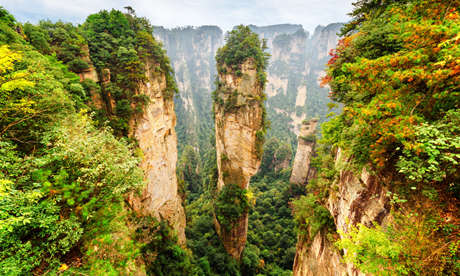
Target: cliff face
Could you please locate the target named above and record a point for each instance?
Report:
(293, 91)
(237, 144)
(358, 198)
(298, 61)
(317, 257)
(155, 132)
(192, 52)
(306, 143)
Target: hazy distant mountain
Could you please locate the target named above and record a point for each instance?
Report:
(298, 61)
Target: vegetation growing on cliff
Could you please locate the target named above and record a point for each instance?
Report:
(397, 75)
(270, 248)
(57, 170)
(62, 39)
(123, 44)
(242, 44)
(63, 176)
(230, 204)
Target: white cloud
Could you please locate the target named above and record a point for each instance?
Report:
(173, 13)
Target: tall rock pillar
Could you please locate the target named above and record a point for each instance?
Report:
(301, 170)
(154, 129)
(240, 129)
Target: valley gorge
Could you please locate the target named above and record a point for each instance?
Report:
(133, 149)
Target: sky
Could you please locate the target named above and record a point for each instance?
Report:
(175, 13)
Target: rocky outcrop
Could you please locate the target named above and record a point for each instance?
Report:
(301, 170)
(237, 143)
(354, 198)
(155, 133)
(317, 257)
(90, 73)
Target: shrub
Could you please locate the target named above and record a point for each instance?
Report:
(77, 65)
(231, 203)
(309, 138)
(311, 216)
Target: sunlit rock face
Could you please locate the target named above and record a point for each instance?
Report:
(237, 144)
(317, 257)
(305, 146)
(356, 198)
(155, 133)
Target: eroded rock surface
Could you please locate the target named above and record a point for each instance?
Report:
(305, 147)
(155, 132)
(237, 145)
(358, 198)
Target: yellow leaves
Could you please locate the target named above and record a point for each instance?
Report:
(251, 198)
(5, 186)
(391, 105)
(8, 58)
(366, 112)
(14, 84)
(15, 80)
(63, 267)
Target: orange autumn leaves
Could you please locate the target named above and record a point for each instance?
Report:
(387, 96)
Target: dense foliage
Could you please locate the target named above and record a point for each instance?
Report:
(270, 248)
(242, 44)
(57, 170)
(64, 176)
(61, 39)
(397, 74)
(271, 231)
(203, 240)
(123, 49)
(230, 204)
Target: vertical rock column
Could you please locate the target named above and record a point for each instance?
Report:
(154, 130)
(301, 170)
(239, 127)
